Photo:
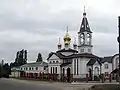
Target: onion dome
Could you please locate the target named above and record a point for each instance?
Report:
(67, 38)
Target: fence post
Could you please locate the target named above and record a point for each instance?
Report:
(87, 78)
(26, 75)
(40, 75)
(117, 77)
(34, 75)
(48, 76)
(103, 78)
(43, 76)
(110, 77)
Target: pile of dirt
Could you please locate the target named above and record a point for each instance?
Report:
(106, 87)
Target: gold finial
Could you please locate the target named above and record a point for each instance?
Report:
(84, 14)
(59, 41)
(67, 29)
(84, 8)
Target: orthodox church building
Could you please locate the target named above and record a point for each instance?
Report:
(80, 60)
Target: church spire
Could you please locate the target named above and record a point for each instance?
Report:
(85, 36)
(75, 44)
(84, 25)
(59, 44)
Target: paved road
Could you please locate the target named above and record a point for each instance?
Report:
(6, 84)
(14, 84)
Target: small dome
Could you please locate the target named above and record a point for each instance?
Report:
(67, 38)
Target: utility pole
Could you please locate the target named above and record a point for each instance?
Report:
(119, 44)
(2, 63)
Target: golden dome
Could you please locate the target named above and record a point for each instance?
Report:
(67, 38)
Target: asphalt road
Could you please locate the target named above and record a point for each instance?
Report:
(6, 84)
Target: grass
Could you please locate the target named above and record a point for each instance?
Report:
(106, 87)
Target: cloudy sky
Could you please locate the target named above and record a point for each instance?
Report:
(36, 25)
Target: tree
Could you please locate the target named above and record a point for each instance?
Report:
(25, 56)
(6, 69)
(39, 59)
(21, 58)
(0, 71)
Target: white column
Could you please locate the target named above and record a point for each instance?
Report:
(73, 66)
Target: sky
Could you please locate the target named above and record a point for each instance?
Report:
(36, 25)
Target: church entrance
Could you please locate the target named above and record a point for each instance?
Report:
(90, 74)
(68, 74)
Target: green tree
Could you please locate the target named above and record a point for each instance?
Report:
(0, 71)
(6, 69)
(39, 58)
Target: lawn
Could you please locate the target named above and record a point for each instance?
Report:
(106, 87)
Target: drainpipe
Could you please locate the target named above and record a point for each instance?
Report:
(119, 44)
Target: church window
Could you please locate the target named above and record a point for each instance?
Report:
(29, 68)
(63, 71)
(53, 61)
(77, 66)
(56, 70)
(96, 70)
(51, 70)
(89, 50)
(64, 61)
(106, 74)
(87, 25)
(106, 66)
(36, 68)
(82, 50)
(117, 62)
(82, 26)
(57, 61)
(88, 35)
(50, 62)
(21, 68)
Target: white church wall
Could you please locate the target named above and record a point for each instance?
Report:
(54, 66)
(66, 67)
(33, 69)
(96, 66)
(115, 62)
(54, 62)
(82, 68)
(105, 69)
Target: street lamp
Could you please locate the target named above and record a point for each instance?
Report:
(118, 39)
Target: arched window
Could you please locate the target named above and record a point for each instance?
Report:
(56, 70)
(117, 62)
(96, 71)
(82, 38)
(88, 38)
(63, 71)
(57, 61)
(53, 61)
(51, 70)
(50, 62)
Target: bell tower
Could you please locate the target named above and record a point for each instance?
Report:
(85, 36)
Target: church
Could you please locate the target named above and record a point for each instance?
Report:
(79, 61)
